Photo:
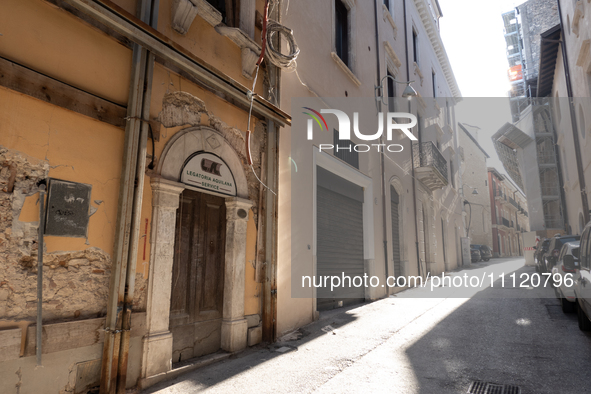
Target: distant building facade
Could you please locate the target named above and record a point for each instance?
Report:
(527, 146)
(509, 216)
(475, 178)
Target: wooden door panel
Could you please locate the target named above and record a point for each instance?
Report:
(211, 295)
(198, 275)
(182, 256)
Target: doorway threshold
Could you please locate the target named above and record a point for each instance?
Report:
(183, 367)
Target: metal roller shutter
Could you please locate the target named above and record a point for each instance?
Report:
(339, 237)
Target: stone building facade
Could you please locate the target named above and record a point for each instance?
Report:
(510, 218)
(570, 105)
(475, 178)
(145, 105)
(409, 228)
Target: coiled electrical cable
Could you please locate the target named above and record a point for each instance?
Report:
(285, 62)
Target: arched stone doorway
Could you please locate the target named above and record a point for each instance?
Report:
(166, 197)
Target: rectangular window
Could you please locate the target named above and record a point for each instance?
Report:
(391, 93)
(434, 81)
(343, 149)
(415, 46)
(451, 173)
(229, 10)
(342, 31)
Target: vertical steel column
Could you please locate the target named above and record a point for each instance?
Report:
(39, 332)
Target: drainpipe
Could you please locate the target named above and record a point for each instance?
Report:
(382, 165)
(412, 155)
(573, 119)
(39, 328)
(148, 14)
(121, 289)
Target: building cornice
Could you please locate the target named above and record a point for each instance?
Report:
(438, 47)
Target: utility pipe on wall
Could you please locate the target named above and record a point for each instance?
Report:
(121, 290)
(382, 164)
(412, 156)
(39, 327)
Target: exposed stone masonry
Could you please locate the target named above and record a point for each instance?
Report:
(75, 283)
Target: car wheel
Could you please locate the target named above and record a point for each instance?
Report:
(486, 260)
(567, 306)
(584, 323)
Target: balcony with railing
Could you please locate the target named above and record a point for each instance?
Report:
(513, 202)
(506, 222)
(430, 165)
(498, 194)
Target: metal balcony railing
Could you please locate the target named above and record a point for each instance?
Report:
(506, 223)
(514, 203)
(426, 154)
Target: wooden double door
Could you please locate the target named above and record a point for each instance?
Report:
(198, 275)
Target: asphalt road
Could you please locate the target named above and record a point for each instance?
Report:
(416, 343)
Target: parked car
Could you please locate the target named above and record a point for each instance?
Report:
(582, 279)
(485, 251)
(541, 248)
(565, 290)
(551, 256)
(474, 254)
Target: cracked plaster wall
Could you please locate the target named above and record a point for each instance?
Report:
(75, 283)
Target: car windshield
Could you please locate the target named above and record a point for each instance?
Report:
(565, 240)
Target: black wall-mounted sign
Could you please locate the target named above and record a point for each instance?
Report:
(67, 213)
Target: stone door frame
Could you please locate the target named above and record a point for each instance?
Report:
(166, 191)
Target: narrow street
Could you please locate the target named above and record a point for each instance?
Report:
(411, 344)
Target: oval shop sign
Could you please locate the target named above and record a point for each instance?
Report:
(209, 172)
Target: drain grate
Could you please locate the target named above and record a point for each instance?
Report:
(479, 387)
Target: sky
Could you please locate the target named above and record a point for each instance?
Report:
(472, 33)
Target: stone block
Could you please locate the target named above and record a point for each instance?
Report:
(255, 335)
(234, 335)
(253, 320)
(4, 294)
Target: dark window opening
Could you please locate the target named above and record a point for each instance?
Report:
(342, 31)
(415, 46)
(434, 81)
(344, 150)
(387, 4)
(391, 93)
(229, 10)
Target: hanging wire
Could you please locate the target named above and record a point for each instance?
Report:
(251, 94)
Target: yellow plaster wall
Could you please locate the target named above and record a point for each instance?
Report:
(165, 81)
(203, 41)
(52, 41)
(78, 149)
